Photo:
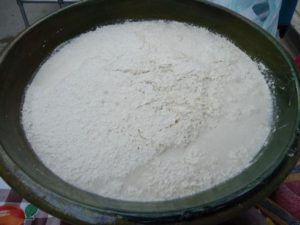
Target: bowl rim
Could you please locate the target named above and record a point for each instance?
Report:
(70, 209)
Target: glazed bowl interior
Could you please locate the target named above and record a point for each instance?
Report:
(25, 172)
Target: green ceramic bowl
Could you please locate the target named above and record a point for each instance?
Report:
(20, 167)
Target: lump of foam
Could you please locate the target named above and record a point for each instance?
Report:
(147, 111)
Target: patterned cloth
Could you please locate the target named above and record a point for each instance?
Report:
(23, 210)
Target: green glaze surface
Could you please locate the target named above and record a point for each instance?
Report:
(20, 167)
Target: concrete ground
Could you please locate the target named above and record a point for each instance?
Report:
(11, 22)
(296, 18)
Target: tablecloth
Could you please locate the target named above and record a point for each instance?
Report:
(21, 210)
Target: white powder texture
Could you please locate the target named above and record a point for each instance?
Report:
(148, 111)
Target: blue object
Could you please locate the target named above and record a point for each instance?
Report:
(265, 13)
(286, 12)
